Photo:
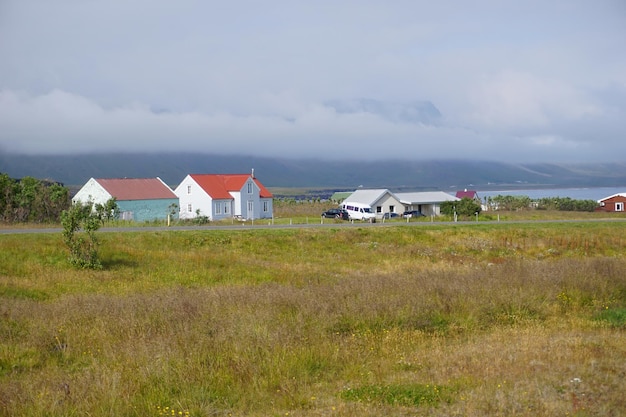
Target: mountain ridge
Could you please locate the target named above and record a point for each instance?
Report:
(75, 170)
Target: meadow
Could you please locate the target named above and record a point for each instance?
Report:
(521, 319)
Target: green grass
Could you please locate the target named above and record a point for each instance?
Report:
(409, 395)
(614, 317)
(489, 319)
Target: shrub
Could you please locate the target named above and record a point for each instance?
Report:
(83, 247)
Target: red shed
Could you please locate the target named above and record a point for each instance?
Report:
(614, 203)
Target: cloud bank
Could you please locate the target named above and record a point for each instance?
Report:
(355, 80)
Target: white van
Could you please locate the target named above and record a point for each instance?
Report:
(357, 211)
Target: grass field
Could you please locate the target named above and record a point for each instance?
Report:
(437, 320)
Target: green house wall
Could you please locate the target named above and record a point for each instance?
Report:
(148, 210)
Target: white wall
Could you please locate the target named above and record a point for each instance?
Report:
(198, 199)
(92, 192)
(236, 203)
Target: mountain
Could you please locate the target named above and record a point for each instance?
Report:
(397, 175)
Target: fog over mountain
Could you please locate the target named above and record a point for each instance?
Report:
(413, 112)
(445, 175)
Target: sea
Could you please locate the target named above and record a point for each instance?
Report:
(592, 193)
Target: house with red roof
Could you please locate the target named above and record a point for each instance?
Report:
(138, 199)
(220, 196)
(471, 194)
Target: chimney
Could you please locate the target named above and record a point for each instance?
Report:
(253, 173)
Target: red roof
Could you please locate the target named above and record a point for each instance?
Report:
(466, 194)
(219, 186)
(124, 189)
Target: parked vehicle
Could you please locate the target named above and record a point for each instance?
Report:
(390, 215)
(412, 213)
(358, 211)
(336, 213)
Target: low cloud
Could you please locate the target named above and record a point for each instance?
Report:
(61, 122)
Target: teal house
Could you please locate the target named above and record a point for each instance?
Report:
(139, 199)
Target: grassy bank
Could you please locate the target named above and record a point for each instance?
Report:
(523, 319)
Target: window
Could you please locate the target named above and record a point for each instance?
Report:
(189, 208)
(619, 206)
(392, 209)
(218, 208)
(379, 209)
(226, 208)
(189, 189)
(249, 187)
(266, 206)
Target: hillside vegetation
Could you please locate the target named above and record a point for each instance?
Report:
(523, 319)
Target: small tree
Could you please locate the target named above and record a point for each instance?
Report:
(109, 211)
(172, 210)
(83, 246)
(465, 207)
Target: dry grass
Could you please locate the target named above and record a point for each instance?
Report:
(511, 320)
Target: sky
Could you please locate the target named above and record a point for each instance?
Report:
(512, 81)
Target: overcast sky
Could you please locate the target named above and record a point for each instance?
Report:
(518, 81)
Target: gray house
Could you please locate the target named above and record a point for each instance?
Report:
(382, 201)
(427, 202)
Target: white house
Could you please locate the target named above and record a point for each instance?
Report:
(380, 201)
(427, 202)
(219, 196)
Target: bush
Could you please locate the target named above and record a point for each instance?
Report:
(83, 247)
(465, 207)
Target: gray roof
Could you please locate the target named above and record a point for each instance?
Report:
(368, 197)
(425, 197)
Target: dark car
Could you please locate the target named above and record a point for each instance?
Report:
(390, 215)
(336, 214)
(412, 213)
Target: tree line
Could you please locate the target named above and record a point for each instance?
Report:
(522, 202)
(30, 200)
(468, 207)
